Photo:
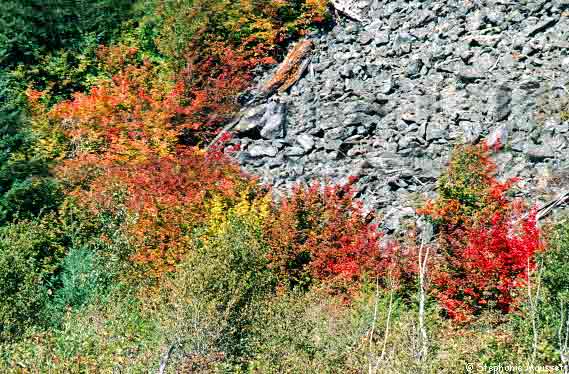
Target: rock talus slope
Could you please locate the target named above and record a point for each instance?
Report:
(386, 98)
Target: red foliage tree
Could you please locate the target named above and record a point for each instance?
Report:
(322, 234)
(487, 241)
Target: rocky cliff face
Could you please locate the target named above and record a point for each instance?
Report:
(386, 98)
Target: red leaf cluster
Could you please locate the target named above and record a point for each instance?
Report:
(322, 234)
(487, 241)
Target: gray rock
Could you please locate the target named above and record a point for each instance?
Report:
(306, 142)
(435, 131)
(346, 71)
(355, 119)
(382, 38)
(251, 118)
(470, 74)
(395, 216)
(386, 86)
(339, 133)
(540, 152)
(273, 121)
(541, 26)
(501, 105)
(261, 150)
(414, 67)
(360, 107)
(295, 151)
(401, 88)
(471, 131)
(365, 38)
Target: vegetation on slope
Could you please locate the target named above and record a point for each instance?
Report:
(124, 246)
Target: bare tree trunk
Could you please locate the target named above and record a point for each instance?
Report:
(374, 366)
(423, 339)
(533, 300)
(563, 336)
(371, 366)
(165, 358)
(387, 324)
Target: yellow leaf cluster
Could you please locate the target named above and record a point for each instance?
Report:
(252, 210)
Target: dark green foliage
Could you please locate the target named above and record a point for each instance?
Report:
(97, 255)
(29, 197)
(31, 28)
(192, 27)
(26, 188)
(63, 72)
(82, 279)
(57, 263)
(30, 253)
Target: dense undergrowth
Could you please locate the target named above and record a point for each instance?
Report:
(122, 242)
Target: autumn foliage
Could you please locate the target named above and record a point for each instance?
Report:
(131, 139)
(133, 142)
(320, 233)
(487, 240)
(126, 243)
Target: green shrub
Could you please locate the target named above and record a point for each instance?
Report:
(207, 310)
(318, 333)
(555, 274)
(226, 279)
(104, 337)
(30, 254)
(26, 188)
(29, 197)
(63, 72)
(198, 26)
(83, 279)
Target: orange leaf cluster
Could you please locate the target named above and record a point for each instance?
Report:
(168, 197)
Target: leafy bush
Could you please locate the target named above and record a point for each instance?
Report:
(541, 324)
(168, 198)
(469, 190)
(215, 44)
(487, 241)
(61, 73)
(97, 338)
(555, 273)
(196, 27)
(83, 279)
(30, 197)
(30, 254)
(206, 309)
(321, 234)
(26, 188)
(123, 119)
(377, 332)
(226, 272)
(490, 271)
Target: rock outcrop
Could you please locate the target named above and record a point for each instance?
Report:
(386, 98)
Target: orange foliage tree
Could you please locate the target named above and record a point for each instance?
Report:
(168, 197)
(130, 138)
(124, 140)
